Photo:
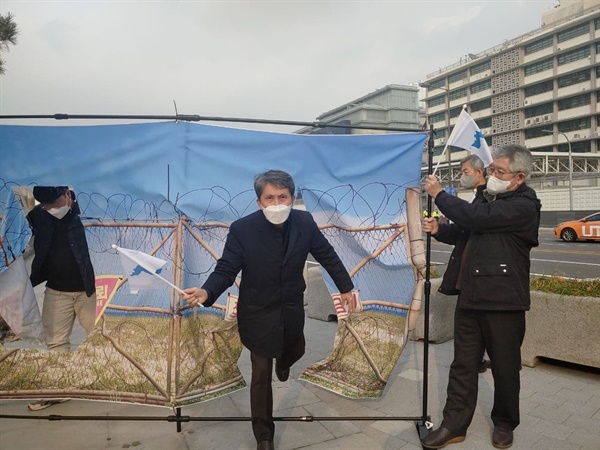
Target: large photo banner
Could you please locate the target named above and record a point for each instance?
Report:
(171, 190)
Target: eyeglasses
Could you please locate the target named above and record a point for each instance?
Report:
(498, 173)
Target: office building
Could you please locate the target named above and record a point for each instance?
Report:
(541, 90)
(393, 106)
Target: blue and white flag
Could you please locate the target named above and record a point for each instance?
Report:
(143, 271)
(466, 134)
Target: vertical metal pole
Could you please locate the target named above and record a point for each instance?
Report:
(449, 169)
(178, 414)
(570, 173)
(427, 283)
(421, 427)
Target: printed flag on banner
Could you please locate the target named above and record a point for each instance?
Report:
(466, 134)
(106, 287)
(141, 269)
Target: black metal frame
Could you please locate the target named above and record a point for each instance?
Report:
(422, 422)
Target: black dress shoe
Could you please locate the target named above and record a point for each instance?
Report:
(265, 445)
(502, 437)
(440, 438)
(282, 373)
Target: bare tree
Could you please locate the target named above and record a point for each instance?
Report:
(8, 36)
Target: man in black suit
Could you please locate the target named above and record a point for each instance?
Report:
(270, 247)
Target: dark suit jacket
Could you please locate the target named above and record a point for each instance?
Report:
(270, 305)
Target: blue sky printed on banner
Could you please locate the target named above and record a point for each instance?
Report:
(207, 172)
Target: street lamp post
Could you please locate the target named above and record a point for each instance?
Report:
(570, 166)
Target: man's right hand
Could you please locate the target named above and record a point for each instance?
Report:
(431, 225)
(195, 296)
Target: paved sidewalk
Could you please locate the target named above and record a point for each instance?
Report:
(560, 409)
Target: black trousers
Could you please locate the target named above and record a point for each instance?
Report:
(261, 390)
(501, 334)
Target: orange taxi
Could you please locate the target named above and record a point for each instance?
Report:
(587, 228)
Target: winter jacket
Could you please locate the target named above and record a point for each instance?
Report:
(494, 272)
(42, 224)
(458, 236)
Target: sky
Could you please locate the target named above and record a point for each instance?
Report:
(281, 60)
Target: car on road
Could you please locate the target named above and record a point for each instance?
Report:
(587, 228)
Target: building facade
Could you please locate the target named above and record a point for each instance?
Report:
(540, 90)
(393, 106)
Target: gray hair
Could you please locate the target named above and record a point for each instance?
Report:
(475, 161)
(277, 178)
(519, 158)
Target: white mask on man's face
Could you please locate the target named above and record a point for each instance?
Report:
(467, 181)
(277, 214)
(59, 213)
(496, 186)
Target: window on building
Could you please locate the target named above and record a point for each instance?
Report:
(546, 149)
(576, 147)
(597, 121)
(437, 84)
(574, 78)
(576, 124)
(438, 150)
(574, 102)
(437, 101)
(597, 47)
(539, 88)
(484, 123)
(479, 68)
(489, 140)
(439, 133)
(437, 117)
(483, 86)
(597, 23)
(455, 112)
(459, 93)
(538, 110)
(483, 104)
(539, 67)
(571, 33)
(532, 133)
(457, 77)
(539, 45)
(574, 55)
(598, 72)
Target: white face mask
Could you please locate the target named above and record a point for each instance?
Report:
(496, 186)
(59, 213)
(277, 214)
(467, 181)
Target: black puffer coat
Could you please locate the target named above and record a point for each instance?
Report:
(495, 266)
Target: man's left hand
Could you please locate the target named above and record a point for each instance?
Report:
(432, 186)
(347, 301)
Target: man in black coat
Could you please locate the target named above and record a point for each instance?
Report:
(270, 247)
(473, 177)
(493, 286)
